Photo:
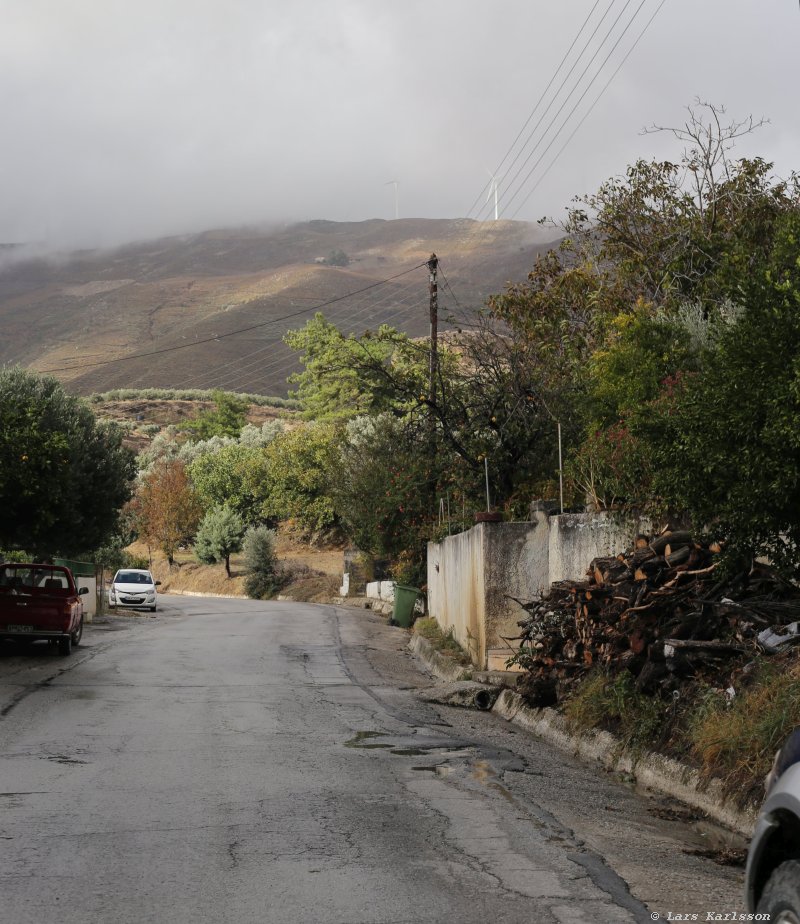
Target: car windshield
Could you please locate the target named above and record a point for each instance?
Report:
(132, 577)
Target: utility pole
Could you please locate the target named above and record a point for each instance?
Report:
(433, 265)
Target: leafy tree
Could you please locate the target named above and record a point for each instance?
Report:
(166, 508)
(692, 230)
(299, 465)
(254, 436)
(611, 469)
(235, 476)
(655, 267)
(261, 563)
(625, 373)
(226, 418)
(63, 475)
(337, 258)
(163, 446)
(345, 376)
(726, 441)
(494, 396)
(219, 535)
(385, 490)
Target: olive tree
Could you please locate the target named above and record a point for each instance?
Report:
(219, 535)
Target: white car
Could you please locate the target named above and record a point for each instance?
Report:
(133, 587)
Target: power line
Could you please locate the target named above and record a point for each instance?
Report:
(539, 101)
(233, 333)
(242, 363)
(562, 85)
(289, 361)
(589, 110)
(569, 96)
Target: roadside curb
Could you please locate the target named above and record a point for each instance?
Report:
(437, 664)
(650, 770)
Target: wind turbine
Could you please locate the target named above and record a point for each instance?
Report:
(493, 186)
(396, 200)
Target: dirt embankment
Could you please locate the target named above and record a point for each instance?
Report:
(311, 574)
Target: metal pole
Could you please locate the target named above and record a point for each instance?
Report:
(486, 467)
(560, 471)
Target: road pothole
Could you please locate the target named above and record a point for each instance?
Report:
(363, 740)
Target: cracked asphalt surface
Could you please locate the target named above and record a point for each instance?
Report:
(236, 761)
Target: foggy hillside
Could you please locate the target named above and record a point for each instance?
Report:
(70, 316)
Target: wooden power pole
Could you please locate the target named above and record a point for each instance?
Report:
(433, 265)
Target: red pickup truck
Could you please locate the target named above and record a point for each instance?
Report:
(40, 602)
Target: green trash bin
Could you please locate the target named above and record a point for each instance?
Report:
(404, 600)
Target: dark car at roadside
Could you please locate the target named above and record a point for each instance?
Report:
(40, 602)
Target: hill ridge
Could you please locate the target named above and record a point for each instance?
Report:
(90, 306)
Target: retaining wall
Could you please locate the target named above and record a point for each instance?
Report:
(473, 575)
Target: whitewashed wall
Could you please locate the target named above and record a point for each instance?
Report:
(473, 575)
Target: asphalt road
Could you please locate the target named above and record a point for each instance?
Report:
(234, 761)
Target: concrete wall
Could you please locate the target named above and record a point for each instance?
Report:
(380, 590)
(89, 600)
(577, 538)
(456, 588)
(472, 575)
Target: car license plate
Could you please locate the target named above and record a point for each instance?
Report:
(131, 599)
(20, 628)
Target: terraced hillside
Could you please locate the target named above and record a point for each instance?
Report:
(165, 311)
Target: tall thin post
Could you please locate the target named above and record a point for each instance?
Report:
(560, 469)
(486, 468)
(396, 198)
(433, 265)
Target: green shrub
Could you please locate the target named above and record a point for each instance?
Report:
(737, 740)
(444, 642)
(261, 563)
(614, 704)
(129, 560)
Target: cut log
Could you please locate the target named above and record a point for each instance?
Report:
(677, 557)
(674, 540)
(687, 645)
(664, 593)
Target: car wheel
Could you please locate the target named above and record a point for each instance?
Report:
(152, 609)
(65, 645)
(781, 896)
(77, 634)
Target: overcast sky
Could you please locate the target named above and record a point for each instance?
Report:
(130, 119)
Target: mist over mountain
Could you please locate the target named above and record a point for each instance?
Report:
(210, 310)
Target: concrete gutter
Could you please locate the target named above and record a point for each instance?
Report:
(649, 770)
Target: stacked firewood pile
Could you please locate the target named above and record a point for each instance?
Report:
(660, 611)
